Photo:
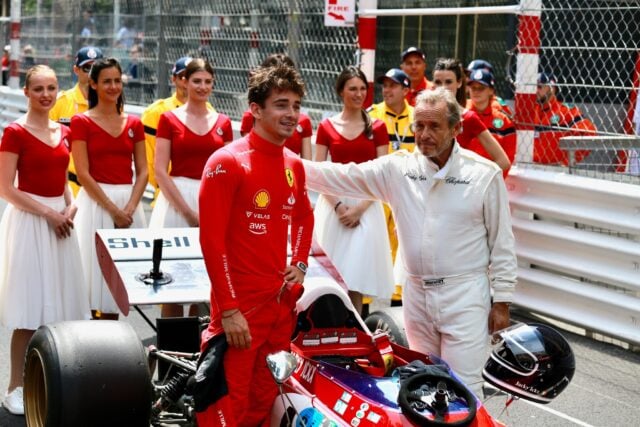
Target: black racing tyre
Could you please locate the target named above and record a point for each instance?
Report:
(86, 373)
(390, 320)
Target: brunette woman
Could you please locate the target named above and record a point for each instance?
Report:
(353, 232)
(105, 141)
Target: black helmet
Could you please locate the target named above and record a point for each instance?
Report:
(531, 361)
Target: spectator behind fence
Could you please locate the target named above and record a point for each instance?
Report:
(6, 64)
(347, 229)
(126, 35)
(41, 280)
(253, 193)
(413, 62)
(186, 137)
(87, 28)
(454, 228)
(74, 100)
(104, 141)
(28, 59)
(553, 120)
(482, 90)
(449, 73)
(397, 115)
(300, 141)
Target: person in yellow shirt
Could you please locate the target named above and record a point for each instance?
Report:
(151, 115)
(396, 112)
(74, 100)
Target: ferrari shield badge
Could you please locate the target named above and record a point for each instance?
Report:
(289, 174)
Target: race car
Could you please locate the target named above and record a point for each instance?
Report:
(337, 372)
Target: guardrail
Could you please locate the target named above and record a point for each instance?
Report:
(607, 152)
(578, 247)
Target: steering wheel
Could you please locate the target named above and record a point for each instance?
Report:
(425, 400)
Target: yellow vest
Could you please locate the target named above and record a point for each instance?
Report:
(398, 125)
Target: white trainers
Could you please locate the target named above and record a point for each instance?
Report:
(14, 402)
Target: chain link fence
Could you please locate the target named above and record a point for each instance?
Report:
(589, 46)
(590, 52)
(148, 36)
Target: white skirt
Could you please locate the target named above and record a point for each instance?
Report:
(164, 215)
(361, 255)
(41, 279)
(91, 217)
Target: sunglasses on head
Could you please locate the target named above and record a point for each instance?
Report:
(86, 68)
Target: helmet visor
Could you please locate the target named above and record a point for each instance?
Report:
(517, 349)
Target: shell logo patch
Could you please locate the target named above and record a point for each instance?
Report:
(290, 178)
(261, 199)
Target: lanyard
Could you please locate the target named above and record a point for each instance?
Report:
(398, 141)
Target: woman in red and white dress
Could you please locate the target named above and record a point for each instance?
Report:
(105, 140)
(185, 139)
(40, 279)
(353, 233)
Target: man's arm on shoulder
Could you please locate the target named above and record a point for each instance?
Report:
(220, 180)
(369, 180)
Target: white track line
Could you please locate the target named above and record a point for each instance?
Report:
(557, 413)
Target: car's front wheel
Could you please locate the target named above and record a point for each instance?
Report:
(86, 373)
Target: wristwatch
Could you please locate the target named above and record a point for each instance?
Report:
(301, 266)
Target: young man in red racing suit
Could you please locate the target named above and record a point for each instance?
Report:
(252, 190)
(553, 120)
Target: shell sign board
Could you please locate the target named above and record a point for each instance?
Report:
(339, 13)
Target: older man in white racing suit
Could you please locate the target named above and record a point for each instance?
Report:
(454, 227)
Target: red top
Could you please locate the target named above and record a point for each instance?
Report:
(554, 120)
(358, 150)
(251, 192)
(41, 169)
(294, 142)
(472, 126)
(109, 157)
(190, 151)
(501, 128)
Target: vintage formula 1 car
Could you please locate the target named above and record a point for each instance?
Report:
(337, 372)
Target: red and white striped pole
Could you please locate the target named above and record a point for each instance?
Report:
(529, 26)
(14, 57)
(367, 44)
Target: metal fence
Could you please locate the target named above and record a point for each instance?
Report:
(591, 47)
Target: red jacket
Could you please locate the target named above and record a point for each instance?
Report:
(554, 120)
(501, 128)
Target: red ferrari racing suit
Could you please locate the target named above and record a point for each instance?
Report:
(252, 191)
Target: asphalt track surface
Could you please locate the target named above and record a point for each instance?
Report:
(605, 390)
